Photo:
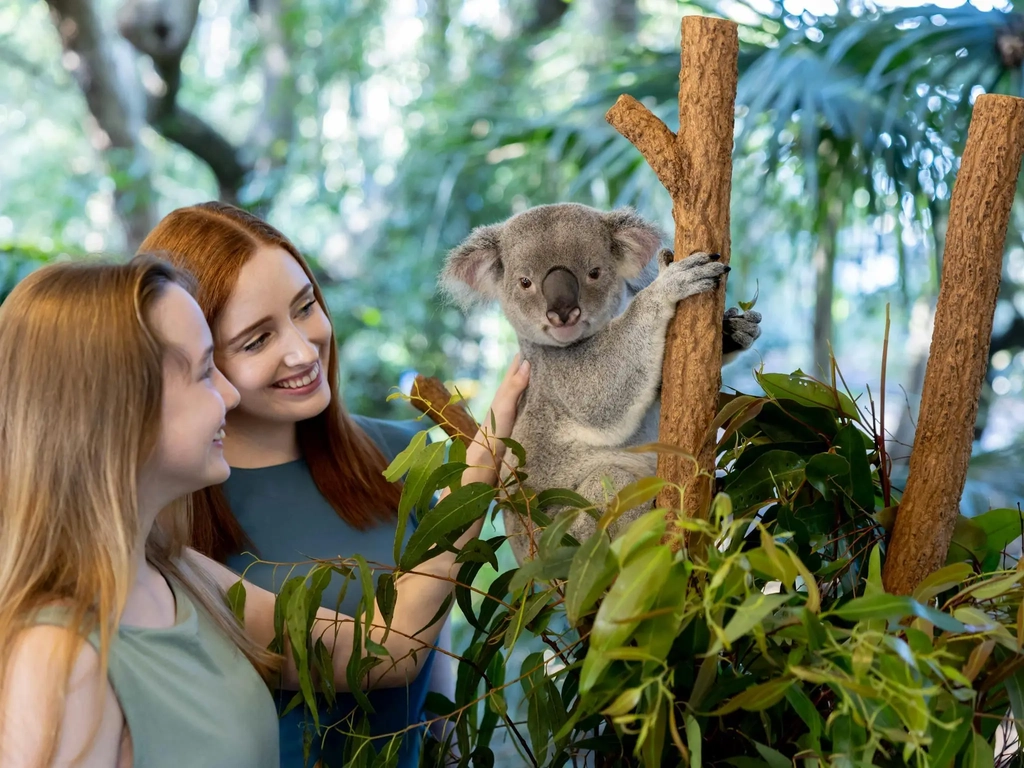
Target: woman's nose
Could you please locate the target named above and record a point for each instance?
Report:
(301, 350)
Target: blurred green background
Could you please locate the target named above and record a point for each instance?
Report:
(376, 134)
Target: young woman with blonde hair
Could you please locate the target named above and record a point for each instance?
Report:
(116, 645)
(306, 477)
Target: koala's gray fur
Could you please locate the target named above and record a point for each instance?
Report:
(595, 375)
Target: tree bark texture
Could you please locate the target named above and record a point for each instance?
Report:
(695, 165)
(105, 81)
(430, 396)
(958, 358)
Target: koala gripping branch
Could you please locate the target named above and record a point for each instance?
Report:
(695, 166)
(972, 265)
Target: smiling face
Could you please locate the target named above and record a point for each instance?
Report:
(274, 343)
(189, 452)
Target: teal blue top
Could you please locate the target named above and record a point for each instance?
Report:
(288, 520)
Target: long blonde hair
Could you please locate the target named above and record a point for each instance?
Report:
(80, 404)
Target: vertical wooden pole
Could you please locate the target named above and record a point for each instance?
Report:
(979, 213)
(695, 166)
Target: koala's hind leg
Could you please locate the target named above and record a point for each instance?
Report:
(596, 489)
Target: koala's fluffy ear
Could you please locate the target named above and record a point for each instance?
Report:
(634, 240)
(473, 270)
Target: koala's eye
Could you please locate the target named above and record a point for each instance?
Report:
(594, 273)
(525, 282)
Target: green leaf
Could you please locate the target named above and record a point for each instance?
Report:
(631, 596)
(527, 613)
(805, 708)
(553, 536)
(774, 758)
(750, 613)
(969, 542)
(1015, 692)
(849, 443)
(593, 569)
(1000, 527)
(641, 533)
(633, 495)
(478, 551)
(441, 612)
(895, 608)
(693, 740)
(406, 458)
(236, 600)
(949, 734)
(624, 703)
(319, 577)
(427, 461)
(657, 633)
(825, 470)
(806, 391)
(517, 450)
(366, 603)
(387, 596)
(980, 754)
(453, 512)
(746, 306)
(562, 497)
(945, 578)
(756, 485)
(296, 621)
(325, 669)
(757, 697)
(389, 754)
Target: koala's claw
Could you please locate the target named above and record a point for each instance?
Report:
(665, 257)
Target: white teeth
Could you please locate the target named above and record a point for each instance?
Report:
(219, 435)
(306, 380)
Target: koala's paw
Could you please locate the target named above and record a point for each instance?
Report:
(740, 330)
(695, 274)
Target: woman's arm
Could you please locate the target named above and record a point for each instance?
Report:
(420, 594)
(91, 724)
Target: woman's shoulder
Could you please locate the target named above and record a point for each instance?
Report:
(31, 674)
(391, 436)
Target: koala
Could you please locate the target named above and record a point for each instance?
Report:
(590, 296)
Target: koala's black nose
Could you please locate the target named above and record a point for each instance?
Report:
(561, 290)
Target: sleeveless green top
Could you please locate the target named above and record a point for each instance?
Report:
(189, 696)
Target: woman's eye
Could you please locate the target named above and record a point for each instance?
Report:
(307, 308)
(256, 343)
(525, 282)
(594, 273)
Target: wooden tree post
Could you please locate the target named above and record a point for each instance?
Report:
(972, 266)
(695, 165)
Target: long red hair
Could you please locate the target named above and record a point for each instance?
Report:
(212, 242)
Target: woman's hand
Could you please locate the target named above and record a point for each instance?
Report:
(486, 451)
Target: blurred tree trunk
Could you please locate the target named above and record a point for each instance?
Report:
(115, 100)
(104, 66)
(437, 54)
(824, 261)
(615, 18)
(546, 14)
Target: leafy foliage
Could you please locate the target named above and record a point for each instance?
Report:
(753, 635)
